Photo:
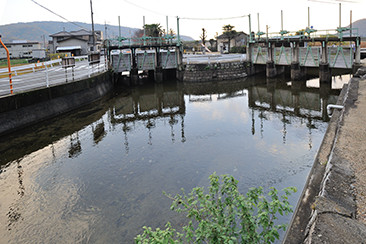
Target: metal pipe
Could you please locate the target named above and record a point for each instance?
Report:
(119, 27)
(330, 108)
(178, 36)
(309, 17)
(340, 15)
(250, 28)
(143, 22)
(281, 20)
(258, 22)
(350, 22)
(167, 26)
(9, 65)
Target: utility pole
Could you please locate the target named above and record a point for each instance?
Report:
(93, 34)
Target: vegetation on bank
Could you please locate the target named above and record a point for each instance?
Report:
(13, 62)
(224, 215)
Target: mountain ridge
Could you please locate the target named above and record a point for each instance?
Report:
(34, 31)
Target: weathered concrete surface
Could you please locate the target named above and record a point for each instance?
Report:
(302, 214)
(24, 109)
(338, 211)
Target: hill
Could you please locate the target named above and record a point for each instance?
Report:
(34, 31)
(361, 25)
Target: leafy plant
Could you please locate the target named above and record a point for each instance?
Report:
(224, 215)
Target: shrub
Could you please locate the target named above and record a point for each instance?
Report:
(223, 215)
(241, 49)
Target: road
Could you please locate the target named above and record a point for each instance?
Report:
(29, 79)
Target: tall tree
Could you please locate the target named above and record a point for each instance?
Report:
(203, 36)
(229, 32)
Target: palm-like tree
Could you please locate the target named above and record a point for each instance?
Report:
(229, 32)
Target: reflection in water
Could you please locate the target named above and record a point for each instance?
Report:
(75, 146)
(96, 175)
(98, 132)
(14, 214)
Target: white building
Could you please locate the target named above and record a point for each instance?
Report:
(23, 49)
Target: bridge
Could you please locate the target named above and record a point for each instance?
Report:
(325, 50)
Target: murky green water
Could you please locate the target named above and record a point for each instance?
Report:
(97, 175)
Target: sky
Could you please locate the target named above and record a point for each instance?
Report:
(324, 14)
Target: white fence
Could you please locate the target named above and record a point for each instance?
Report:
(45, 74)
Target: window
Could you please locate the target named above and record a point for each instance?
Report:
(28, 45)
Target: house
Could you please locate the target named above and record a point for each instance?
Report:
(76, 42)
(240, 40)
(23, 49)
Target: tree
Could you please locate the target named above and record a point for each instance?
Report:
(229, 32)
(153, 30)
(203, 36)
(212, 42)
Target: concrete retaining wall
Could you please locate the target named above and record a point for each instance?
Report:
(214, 71)
(24, 109)
(326, 212)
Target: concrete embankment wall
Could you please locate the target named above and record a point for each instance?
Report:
(214, 71)
(24, 109)
(326, 212)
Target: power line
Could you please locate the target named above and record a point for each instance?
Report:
(225, 18)
(49, 10)
(187, 18)
(146, 9)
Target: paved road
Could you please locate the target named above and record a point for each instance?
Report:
(43, 77)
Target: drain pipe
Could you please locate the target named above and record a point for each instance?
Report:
(331, 107)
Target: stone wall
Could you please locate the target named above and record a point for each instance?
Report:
(214, 71)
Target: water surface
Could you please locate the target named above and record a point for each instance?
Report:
(97, 175)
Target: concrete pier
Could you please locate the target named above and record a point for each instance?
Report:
(271, 70)
(325, 74)
(296, 72)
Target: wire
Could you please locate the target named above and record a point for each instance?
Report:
(49, 10)
(146, 9)
(187, 18)
(237, 17)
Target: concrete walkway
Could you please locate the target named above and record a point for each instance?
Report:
(333, 205)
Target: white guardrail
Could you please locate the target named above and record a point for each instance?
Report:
(44, 74)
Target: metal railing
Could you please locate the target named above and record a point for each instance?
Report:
(308, 34)
(143, 41)
(45, 74)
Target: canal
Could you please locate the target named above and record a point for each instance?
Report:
(97, 175)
